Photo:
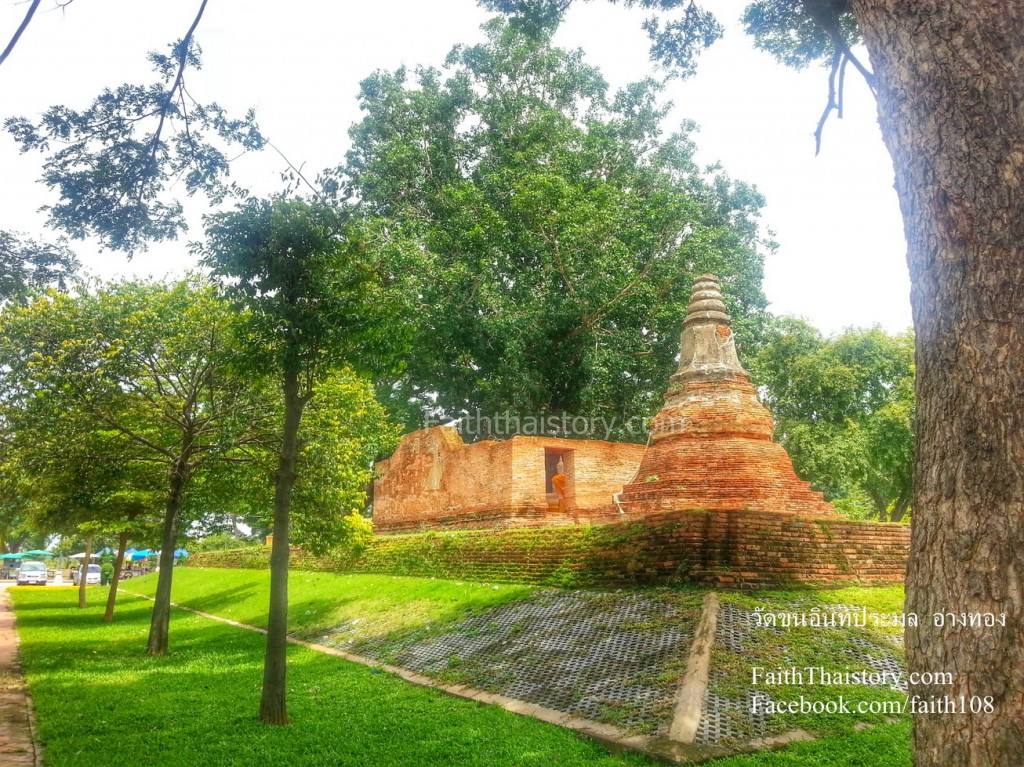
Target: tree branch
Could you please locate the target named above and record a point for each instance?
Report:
(20, 30)
(298, 171)
(843, 48)
(183, 49)
(841, 89)
(136, 437)
(590, 319)
(837, 61)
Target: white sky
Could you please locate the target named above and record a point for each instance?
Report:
(841, 257)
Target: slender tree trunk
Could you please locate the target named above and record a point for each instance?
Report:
(158, 627)
(273, 705)
(84, 578)
(950, 80)
(899, 509)
(122, 544)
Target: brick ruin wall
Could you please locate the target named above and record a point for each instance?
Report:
(723, 549)
(434, 481)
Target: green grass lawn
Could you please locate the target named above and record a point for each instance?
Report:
(96, 692)
(368, 604)
(100, 700)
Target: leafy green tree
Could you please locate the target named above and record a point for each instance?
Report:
(28, 264)
(844, 409)
(15, 529)
(343, 430)
(153, 365)
(79, 479)
(115, 162)
(560, 232)
(316, 303)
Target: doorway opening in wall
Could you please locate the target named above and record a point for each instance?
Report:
(559, 479)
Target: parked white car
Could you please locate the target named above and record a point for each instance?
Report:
(32, 573)
(91, 579)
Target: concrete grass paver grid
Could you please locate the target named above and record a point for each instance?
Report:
(727, 718)
(735, 717)
(608, 657)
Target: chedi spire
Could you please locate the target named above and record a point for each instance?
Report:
(711, 443)
(707, 348)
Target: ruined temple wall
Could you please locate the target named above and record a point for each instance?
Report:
(724, 549)
(434, 481)
(432, 471)
(596, 469)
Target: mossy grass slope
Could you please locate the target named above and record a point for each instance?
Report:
(198, 704)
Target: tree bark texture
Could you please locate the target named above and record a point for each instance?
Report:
(160, 622)
(115, 578)
(950, 87)
(273, 704)
(83, 579)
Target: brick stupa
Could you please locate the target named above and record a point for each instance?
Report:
(711, 444)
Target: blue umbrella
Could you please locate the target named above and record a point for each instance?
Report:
(180, 553)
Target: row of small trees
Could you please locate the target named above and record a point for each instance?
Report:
(121, 398)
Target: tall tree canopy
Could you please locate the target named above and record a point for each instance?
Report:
(844, 409)
(560, 230)
(27, 265)
(116, 164)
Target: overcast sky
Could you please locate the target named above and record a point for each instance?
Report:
(841, 256)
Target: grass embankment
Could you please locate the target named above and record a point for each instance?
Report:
(366, 604)
(198, 705)
(98, 697)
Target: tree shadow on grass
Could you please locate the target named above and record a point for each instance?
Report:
(95, 694)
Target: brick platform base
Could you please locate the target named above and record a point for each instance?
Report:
(500, 518)
(724, 549)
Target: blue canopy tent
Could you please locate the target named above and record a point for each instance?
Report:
(180, 553)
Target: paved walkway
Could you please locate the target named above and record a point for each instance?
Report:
(17, 746)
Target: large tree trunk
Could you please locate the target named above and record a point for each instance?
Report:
(160, 622)
(273, 705)
(83, 579)
(122, 543)
(950, 79)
